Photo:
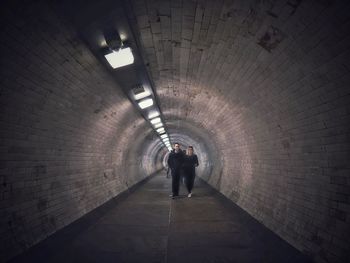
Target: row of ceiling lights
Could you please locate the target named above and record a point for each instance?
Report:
(123, 56)
(155, 119)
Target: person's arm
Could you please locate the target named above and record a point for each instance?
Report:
(169, 161)
(196, 160)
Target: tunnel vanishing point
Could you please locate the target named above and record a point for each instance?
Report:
(259, 88)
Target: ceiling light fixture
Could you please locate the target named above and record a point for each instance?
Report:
(158, 125)
(120, 58)
(140, 92)
(146, 103)
(156, 120)
(142, 95)
(153, 114)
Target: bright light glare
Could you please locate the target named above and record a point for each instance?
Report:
(158, 125)
(155, 120)
(166, 140)
(164, 136)
(153, 114)
(145, 103)
(160, 130)
(120, 58)
(142, 95)
(170, 149)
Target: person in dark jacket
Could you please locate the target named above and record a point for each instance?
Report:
(189, 168)
(175, 162)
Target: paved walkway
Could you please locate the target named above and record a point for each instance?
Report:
(148, 226)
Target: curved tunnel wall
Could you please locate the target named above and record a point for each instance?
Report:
(268, 83)
(70, 139)
(260, 90)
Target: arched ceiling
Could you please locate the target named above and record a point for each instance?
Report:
(259, 88)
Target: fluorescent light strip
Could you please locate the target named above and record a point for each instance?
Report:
(120, 58)
(160, 130)
(142, 95)
(158, 125)
(146, 103)
(164, 136)
(153, 114)
(155, 120)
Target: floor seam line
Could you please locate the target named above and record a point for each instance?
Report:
(167, 243)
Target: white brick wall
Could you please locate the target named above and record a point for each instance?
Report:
(66, 144)
(268, 82)
(261, 89)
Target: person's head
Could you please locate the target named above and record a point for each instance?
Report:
(189, 150)
(176, 147)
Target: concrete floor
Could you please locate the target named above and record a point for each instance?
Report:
(147, 226)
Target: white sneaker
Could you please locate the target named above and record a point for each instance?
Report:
(189, 195)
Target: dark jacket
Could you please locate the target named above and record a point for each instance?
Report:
(175, 160)
(190, 162)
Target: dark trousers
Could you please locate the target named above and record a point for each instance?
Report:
(190, 174)
(175, 174)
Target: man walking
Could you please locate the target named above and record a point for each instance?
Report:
(175, 161)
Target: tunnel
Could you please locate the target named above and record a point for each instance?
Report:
(259, 88)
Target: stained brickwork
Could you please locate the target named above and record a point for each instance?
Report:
(260, 88)
(67, 131)
(268, 81)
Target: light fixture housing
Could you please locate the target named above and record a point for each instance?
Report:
(158, 125)
(142, 95)
(146, 103)
(156, 120)
(120, 58)
(140, 92)
(153, 114)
